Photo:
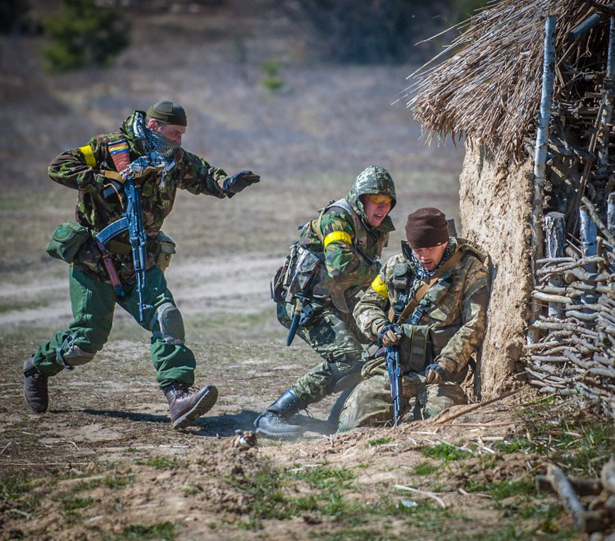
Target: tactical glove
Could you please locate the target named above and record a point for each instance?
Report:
(112, 191)
(389, 334)
(238, 182)
(435, 373)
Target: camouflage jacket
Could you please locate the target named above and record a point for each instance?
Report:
(454, 308)
(83, 169)
(349, 248)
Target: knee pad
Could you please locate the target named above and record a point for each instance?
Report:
(170, 323)
(70, 355)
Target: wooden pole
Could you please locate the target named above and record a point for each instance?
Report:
(540, 157)
(602, 169)
(555, 233)
(589, 233)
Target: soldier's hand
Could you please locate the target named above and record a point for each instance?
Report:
(435, 373)
(389, 334)
(238, 182)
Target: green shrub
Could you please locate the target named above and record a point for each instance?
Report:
(84, 35)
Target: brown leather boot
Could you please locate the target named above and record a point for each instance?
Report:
(184, 406)
(35, 387)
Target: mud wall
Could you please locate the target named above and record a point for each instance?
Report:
(495, 208)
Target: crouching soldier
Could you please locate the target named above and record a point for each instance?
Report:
(335, 258)
(128, 177)
(429, 303)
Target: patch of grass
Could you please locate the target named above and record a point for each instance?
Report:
(325, 478)
(504, 489)
(161, 463)
(74, 504)
(15, 491)
(118, 482)
(445, 451)
(352, 534)
(165, 531)
(513, 446)
(424, 468)
(379, 441)
(570, 436)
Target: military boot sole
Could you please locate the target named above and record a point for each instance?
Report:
(206, 402)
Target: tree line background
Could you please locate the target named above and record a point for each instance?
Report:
(87, 33)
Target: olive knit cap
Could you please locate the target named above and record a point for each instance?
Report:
(168, 112)
(426, 228)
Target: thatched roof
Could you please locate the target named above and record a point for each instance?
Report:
(488, 89)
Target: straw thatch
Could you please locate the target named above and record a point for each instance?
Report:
(488, 89)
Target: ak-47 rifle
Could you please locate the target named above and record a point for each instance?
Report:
(132, 222)
(391, 357)
(156, 147)
(395, 382)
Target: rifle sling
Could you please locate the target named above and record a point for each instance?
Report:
(113, 175)
(418, 296)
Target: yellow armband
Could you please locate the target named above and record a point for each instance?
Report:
(337, 235)
(88, 154)
(380, 287)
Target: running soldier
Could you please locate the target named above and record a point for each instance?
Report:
(102, 274)
(430, 303)
(334, 260)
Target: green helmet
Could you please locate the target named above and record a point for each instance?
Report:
(372, 180)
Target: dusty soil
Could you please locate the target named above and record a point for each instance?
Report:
(103, 463)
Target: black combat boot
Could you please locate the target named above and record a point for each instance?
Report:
(184, 406)
(35, 387)
(274, 420)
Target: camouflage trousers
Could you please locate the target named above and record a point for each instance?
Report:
(336, 338)
(93, 304)
(370, 404)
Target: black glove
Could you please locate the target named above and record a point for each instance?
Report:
(239, 181)
(389, 334)
(112, 192)
(435, 373)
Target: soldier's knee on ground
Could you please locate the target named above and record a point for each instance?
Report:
(437, 398)
(168, 324)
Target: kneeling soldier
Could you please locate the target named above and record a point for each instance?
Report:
(430, 303)
(335, 258)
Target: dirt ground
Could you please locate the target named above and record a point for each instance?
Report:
(104, 463)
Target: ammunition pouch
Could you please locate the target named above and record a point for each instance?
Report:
(421, 344)
(164, 248)
(296, 275)
(66, 241)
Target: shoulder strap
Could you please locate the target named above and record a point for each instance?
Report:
(418, 296)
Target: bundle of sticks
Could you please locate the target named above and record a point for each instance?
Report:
(576, 353)
(590, 501)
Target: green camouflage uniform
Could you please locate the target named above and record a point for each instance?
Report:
(449, 331)
(336, 238)
(93, 298)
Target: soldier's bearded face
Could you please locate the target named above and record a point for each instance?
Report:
(430, 258)
(170, 131)
(376, 208)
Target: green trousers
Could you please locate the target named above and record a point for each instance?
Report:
(335, 337)
(93, 305)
